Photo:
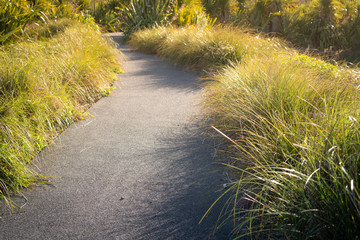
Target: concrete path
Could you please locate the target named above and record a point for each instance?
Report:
(138, 169)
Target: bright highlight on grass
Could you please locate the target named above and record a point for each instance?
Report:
(293, 125)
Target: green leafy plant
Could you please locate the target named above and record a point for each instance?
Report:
(217, 8)
(108, 14)
(192, 12)
(147, 13)
(14, 15)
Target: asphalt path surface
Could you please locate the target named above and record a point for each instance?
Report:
(138, 169)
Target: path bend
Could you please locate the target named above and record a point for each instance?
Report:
(138, 169)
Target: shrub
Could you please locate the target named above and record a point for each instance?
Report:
(218, 8)
(147, 13)
(108, 13)
(192, 12)
(319, 25)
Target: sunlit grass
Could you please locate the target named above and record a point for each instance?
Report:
(297, 142)
(204, 48)
(44, 86)
(293, 125)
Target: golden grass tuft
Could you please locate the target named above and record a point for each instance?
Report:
(44, 86)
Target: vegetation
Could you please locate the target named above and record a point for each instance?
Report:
(51, 70)
(147, 13)
(14, 15)
(141, 14)
(293, 123)
(192, 12)
(292, 120)
(325, 25)
(222, 9)
(108, 14)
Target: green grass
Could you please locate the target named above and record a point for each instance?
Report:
(203, 48)
(292, 122)
(297, 142)
(44, 86)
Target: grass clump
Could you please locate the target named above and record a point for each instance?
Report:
(44, 86)
(202, 48)
(293, 125)
(296, 141)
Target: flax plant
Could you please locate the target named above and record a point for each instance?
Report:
(142, 14)
(14, 15)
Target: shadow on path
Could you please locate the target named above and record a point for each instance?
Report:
(139, 169)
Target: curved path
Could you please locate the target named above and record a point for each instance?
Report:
(138, 169)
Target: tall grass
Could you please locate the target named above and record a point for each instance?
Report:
(16, 15)
(296, 135)
(292, 122)
(202, 48)
(44, 86)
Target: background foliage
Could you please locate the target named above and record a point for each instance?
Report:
(292, 120)
(325, 25)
